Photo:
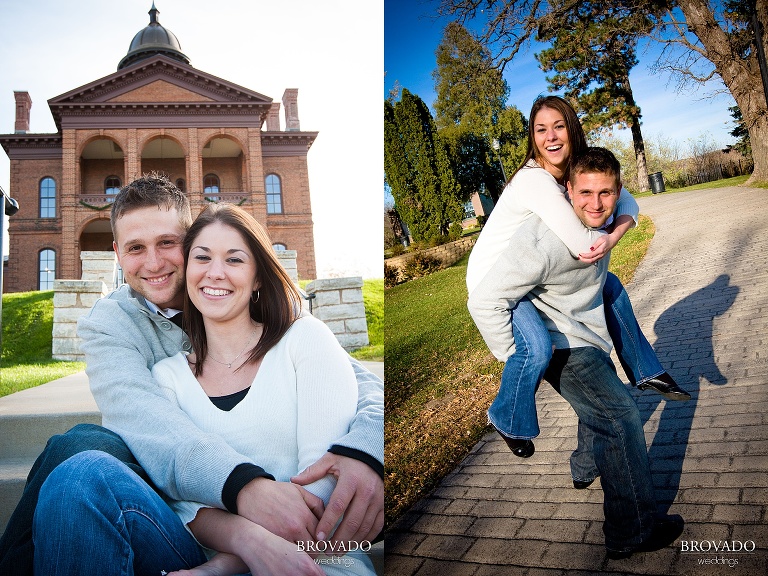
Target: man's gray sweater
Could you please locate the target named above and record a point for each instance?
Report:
(567, 293)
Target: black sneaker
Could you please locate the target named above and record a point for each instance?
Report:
(666, 530)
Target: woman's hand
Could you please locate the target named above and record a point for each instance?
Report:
(600, 248)
(605, 243)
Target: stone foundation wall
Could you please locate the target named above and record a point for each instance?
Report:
(448, 253)
(71, 300)
(339, 303)
(288, 259)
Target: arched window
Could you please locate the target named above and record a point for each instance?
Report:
(47, 267)
(279, 247)
(47, 198)
(274, 195)
(112, 185)
(181, 185)
(211, 187)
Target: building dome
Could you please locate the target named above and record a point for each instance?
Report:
(154, 39)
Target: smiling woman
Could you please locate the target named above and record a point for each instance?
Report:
(274, 382)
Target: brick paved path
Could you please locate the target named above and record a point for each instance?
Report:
(701, 296)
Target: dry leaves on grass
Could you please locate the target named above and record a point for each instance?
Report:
(421, 450)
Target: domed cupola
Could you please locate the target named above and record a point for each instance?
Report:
(154, 39)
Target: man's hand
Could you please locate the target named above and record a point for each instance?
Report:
(284, 509)
(359, 496)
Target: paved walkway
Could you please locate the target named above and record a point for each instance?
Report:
(701, 296)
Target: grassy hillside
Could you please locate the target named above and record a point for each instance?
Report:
(26, 346)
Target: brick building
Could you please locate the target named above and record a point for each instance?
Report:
(218, 141)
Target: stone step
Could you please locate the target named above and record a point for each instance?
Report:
(28, 419)
(13, 476)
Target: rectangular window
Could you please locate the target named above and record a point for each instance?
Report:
(47, 269)
(274, 195)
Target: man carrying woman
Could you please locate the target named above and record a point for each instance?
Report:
(568, 297)
(538, 189)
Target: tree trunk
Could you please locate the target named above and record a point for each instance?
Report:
(637, 136)
(758, 137)
(639, 144)
(741, 76)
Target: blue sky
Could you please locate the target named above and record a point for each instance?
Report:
(412, 33)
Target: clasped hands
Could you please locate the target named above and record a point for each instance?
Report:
(291, 512)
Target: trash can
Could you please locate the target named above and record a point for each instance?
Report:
(656, 180)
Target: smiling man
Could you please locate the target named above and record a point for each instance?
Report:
(568, 295)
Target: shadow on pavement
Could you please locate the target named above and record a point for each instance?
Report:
(684, 347)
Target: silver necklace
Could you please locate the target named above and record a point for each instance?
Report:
(229, 364)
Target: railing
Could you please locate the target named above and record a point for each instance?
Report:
(230, 197)
(97, 201)
(308, 297)
(102, 201)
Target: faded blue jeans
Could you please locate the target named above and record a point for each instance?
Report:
(16, 546)
(513, 411)
(586, 378)
(96, 516)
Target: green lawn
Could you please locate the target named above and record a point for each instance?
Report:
(27, 337)
(373, 297)
(440, 377)
(26, 348)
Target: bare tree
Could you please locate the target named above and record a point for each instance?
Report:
(724, 43)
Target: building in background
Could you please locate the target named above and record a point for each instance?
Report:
(216, 140)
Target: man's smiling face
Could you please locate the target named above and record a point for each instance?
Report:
(594, 196)
(148, 245)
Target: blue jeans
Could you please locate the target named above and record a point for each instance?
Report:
(586, 378)
(513, 412)
(16, 545)
(96, 516)
(635, 353)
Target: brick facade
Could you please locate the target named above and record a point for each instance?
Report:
(157, 114)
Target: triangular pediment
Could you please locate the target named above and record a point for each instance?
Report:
(184, 79)
(161, 91)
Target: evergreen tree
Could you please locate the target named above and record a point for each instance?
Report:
(593, 50)
(418, 170)
(743, 145)
(471, 113)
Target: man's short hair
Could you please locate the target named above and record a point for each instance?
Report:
(595, 159)
(152, 189)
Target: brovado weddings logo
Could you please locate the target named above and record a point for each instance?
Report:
(718, 552)
(334, 552)
(342, 548)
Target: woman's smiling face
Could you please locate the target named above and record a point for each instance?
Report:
(221, 273)
(553, 145)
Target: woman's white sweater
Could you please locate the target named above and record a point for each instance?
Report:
(534, 191)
